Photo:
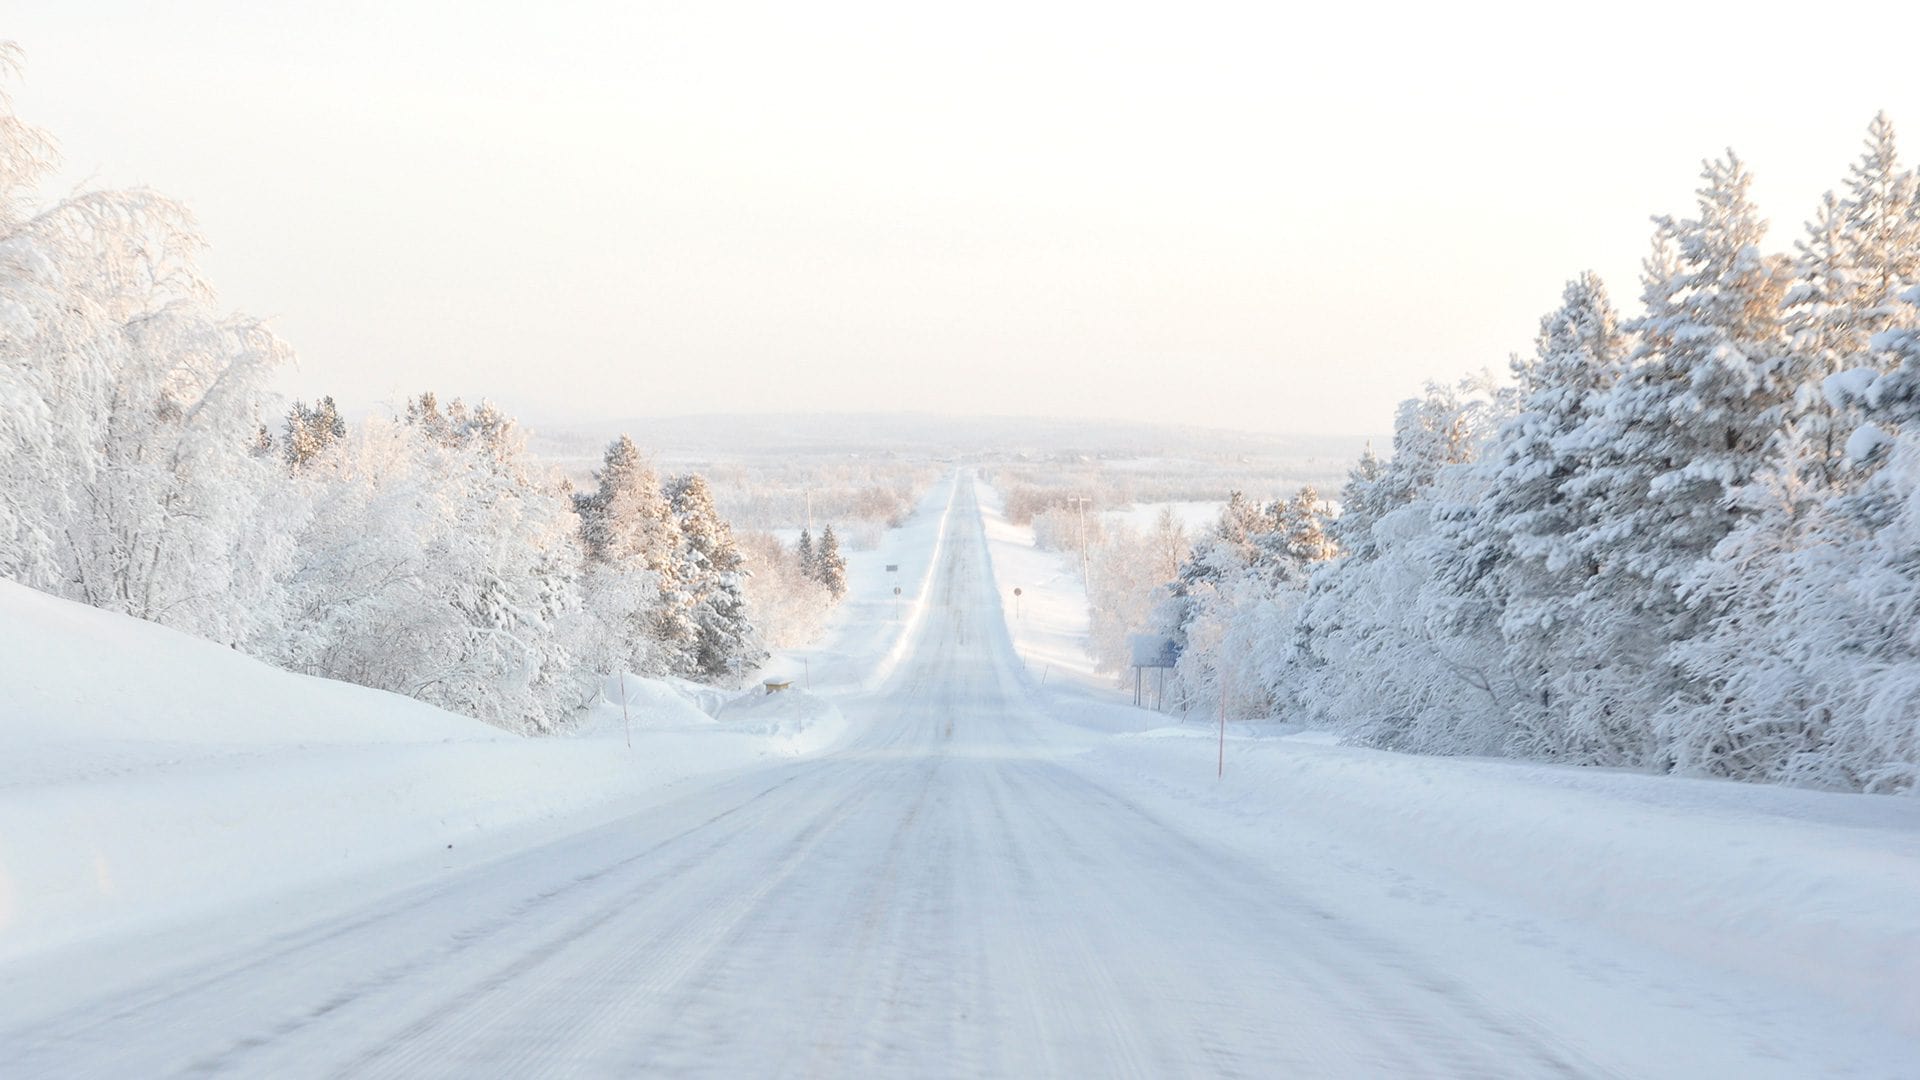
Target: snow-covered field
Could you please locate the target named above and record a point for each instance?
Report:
(988, 864)
(1195, 516)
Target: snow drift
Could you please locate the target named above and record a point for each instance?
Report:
(152, 776)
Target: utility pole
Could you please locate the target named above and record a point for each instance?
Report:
(1080, 504)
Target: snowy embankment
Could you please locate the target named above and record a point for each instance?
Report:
(153, 778)
(1720, 887)
(1047, 622)
(1048, 627)
(871, 628)
(150, 776)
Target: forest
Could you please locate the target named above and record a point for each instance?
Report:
(1682, 537)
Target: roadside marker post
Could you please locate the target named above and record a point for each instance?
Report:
(626, 721)
(1220, 770)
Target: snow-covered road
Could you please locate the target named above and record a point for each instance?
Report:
(953, 892)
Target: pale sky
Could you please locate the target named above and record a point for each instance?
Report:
(1226, 214)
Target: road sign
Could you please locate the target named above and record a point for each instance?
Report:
(893, 568)
(896, 590)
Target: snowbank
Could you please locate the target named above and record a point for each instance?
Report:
(153, 777)
(1806, 891)
(793, 720)
(1048, 626)
(1810, 890)
(872, 629)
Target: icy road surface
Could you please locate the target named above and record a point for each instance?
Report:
(952, 893)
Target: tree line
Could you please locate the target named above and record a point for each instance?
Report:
(1682, 538)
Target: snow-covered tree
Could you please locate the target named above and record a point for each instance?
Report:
(1229, 609)
(310, 430)
(1302, 523)
(712, 571)
(436, 565)
(1390, 641)
(631, 536)
(128, 407)
(788, 606)
(1362, 502)
(1169, 545)
(1656, 549)
(1882, 223)
(830, 567)
(1811, 674)
(1686, 427)
(1522, 529)
(805, 555)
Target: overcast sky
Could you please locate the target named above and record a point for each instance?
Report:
(1234, 214)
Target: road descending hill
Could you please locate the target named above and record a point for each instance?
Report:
(957, 890)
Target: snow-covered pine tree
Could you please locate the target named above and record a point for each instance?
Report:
(1230, 547)
(1361, 502)
(1772, 693)
(1844, 317)
(831, 565)
(1302, 522)
(712, 568)
(1828, 326)
(805, 557)
(631, 534)
(1810, 673)
(1229, 607)
(1386, 643)
(627, 518)
(1882, 211)
(1685, 428)
(1878, 233)
(310, 430)
(1528, 517)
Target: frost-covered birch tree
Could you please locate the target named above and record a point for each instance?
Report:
(129, 407)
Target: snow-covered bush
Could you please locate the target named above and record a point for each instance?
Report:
(789, 604)
(433, 564)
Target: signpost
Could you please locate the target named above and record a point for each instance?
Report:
(1156, 651)
(1016, 603)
